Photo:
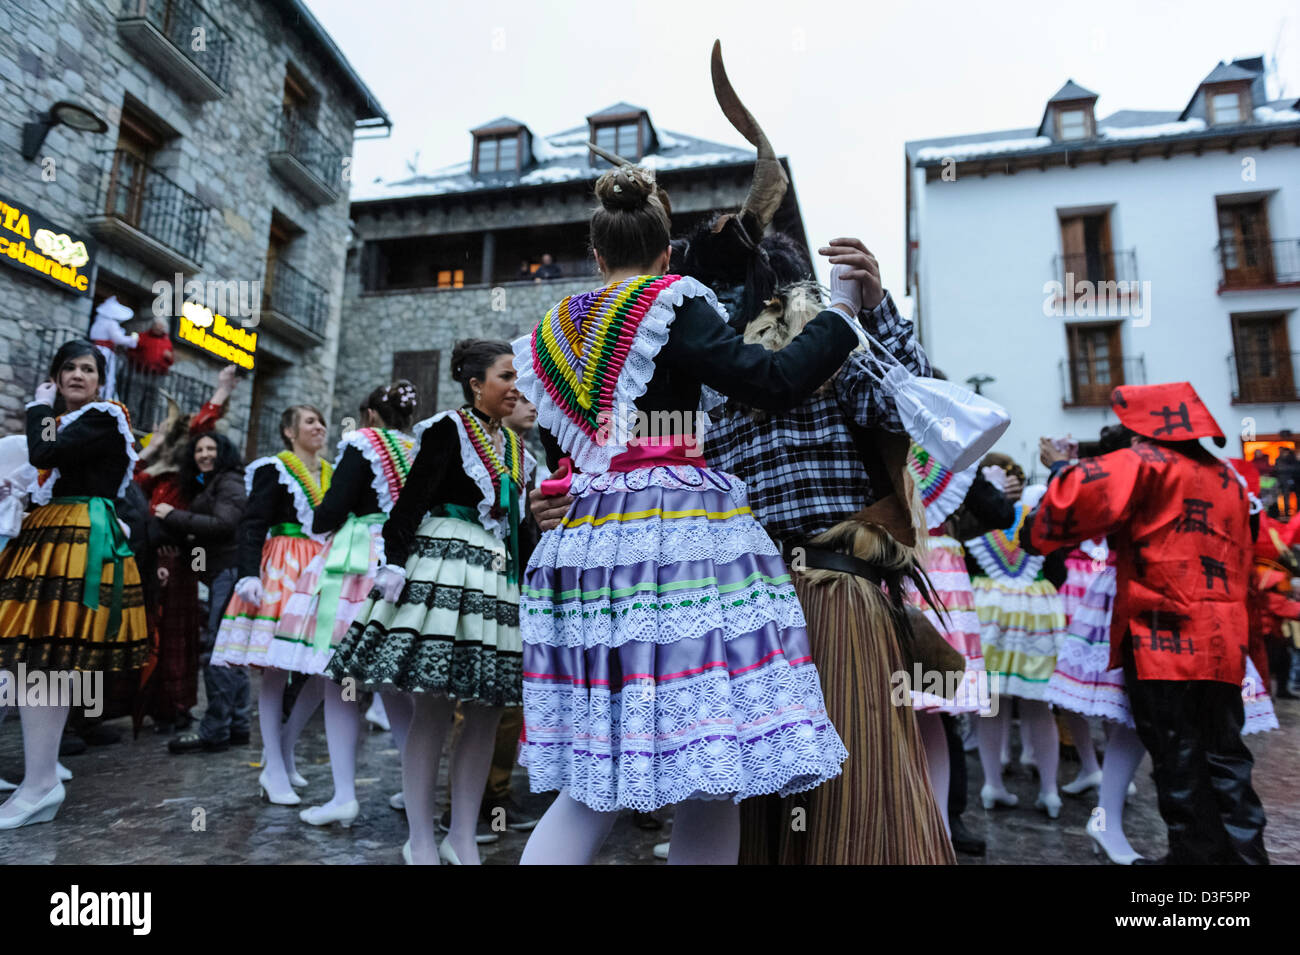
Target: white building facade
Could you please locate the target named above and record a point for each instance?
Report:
(1062, 261)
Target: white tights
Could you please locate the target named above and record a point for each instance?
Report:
(705, 832)
(1124, 752)
(1081, 735)
(42, 731)
(1039, 730)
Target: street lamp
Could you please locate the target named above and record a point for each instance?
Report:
(65, 113)
(975, 381)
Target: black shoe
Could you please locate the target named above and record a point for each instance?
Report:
(193, 743)
(239, 738)
(647, 821)
(97, 734)
(515, 818)
(483, 833)
(964, 841)
(71, 745)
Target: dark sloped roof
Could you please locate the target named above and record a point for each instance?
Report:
(497, 123)
(1072, 90)
(618, 109)
(1225, 72)
(296, 13)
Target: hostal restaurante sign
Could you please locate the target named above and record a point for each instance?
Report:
(30, 243)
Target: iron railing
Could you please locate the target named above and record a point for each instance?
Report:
(1251, 262)
(295, 296)
(297, 137)
(1263, 376)
(191, 29)
(1096, 266)
(1091, 382)
(141, 196)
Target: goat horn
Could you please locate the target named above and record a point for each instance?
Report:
(770, 181)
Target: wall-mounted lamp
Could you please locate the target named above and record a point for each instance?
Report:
(978, 381)
(62, 112)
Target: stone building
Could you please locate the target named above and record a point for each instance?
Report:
(152, 144)
(463, 252)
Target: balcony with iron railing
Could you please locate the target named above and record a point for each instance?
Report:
(182, 41)
(1263, 377)
(1097, 265)
(1088, 384)
(141, 211)
(1252, 263)
(304, 158)
(293, 304)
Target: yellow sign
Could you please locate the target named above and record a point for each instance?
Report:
(33, 245)
(216, 335)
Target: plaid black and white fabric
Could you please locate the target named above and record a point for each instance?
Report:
(801, 466)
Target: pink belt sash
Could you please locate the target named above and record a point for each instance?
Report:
(673, 450)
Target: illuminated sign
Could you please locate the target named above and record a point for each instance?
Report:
(217, 335)
(32, 244)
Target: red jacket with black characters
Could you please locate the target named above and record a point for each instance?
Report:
(1181, 530)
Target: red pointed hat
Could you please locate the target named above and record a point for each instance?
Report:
(1168, 412)
(1248, 471)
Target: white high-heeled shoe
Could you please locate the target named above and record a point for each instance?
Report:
(1082, 783)
(290, 798)
(991, 797)
(63, 772)
(297, 780)
(43, 810)
(377, 716)
(6, 786)
(406, 852)
(344, 814)
(447, 854)
(1051, 804)
(1098, 847)
(397, 800)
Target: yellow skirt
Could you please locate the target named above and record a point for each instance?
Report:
(43, 623)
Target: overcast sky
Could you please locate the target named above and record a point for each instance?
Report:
(837, 87)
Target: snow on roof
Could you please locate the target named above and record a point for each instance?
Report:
(561, 157)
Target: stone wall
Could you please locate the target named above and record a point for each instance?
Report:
(378, 324)
(71, 49)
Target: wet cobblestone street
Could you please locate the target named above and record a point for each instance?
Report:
(133, 802)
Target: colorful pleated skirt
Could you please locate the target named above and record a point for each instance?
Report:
(665, 653)
(44, 621)
(247, 630)
(1081, 680)
(454, 629)
(300, 644)
(959, 624)
(1021, 624)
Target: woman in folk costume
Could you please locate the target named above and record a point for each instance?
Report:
(106, 332)
(274, 549)
(943, 494)
(443, 624)
(70, 593)
(371, 469)
(1021, 622)
(1168, 505)
(665, 654)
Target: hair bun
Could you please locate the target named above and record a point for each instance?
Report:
(625, 188)
(402, 394)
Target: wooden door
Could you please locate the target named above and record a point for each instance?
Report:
(421, 369)
(1244, 246)
(1096, 362)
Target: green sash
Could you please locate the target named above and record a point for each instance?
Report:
(287, 529)
(461, 512)
(349, 553)
(107, 544)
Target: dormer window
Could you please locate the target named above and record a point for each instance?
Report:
(501, 146)
(1073, 123)
(623, 139)
(498, 154)
(1225, 107)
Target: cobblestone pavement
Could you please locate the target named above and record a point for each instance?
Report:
(133, 802)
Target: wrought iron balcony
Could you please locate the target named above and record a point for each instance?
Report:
(141, 210)
(1263, 377)
(294, 304)
(304, 158)
(1252, 263)
(1088, 384)
(1096, 266)
(182, 41)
